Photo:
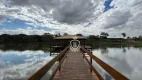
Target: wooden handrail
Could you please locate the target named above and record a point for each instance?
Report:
(115, 74)
(52, 76)
(41, 72)
(92, 68)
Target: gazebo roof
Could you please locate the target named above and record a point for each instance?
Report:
(70, 37)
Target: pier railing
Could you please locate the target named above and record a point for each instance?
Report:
(115, 74)
(41, 72)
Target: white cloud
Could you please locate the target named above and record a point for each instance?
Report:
(53, 14)
(124, 17)
(67, 15)
(27, 31)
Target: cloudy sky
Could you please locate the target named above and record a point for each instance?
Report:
(71, 16)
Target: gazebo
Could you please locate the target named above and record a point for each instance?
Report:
(65, 40)
(62, 41)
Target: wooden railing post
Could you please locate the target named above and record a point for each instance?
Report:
(66, 54)
(60, 62)
(83, 54)
(50, 49)
(91, 62)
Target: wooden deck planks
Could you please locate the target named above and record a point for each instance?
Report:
(75, 68)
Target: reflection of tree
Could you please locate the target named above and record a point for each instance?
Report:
(104, 50)
(128, 47)
(25, 46)
(140, 48)
(124, 50)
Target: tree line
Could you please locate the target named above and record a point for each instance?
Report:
(47, 37)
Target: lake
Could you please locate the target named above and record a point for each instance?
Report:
(126, 60)
(20, 64)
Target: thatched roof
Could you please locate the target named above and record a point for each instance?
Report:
(70, 37)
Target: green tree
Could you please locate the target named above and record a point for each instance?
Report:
(47, 37)
(104, 34)
(79, 35)
(57, 35)
(123, 34)
(65, 34)
(93, 38)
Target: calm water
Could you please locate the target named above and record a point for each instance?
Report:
(19, 65)
(126, 60)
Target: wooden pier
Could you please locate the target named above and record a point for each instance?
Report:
(76, 66)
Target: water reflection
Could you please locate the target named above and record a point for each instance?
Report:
(104, 50)
(126, 60)
(25, 46)
(19, 65)
(19, 61)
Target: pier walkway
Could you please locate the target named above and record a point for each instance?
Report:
(75, 67)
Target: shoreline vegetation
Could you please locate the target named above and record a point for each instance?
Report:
(45, 40)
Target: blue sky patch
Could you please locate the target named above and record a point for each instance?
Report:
(13, 24)
(107, 5)
(16, 23)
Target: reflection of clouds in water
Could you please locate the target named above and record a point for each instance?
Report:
(27, 53)
(134, 59)
(128, 63)
(32, 62)
(2, 63)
